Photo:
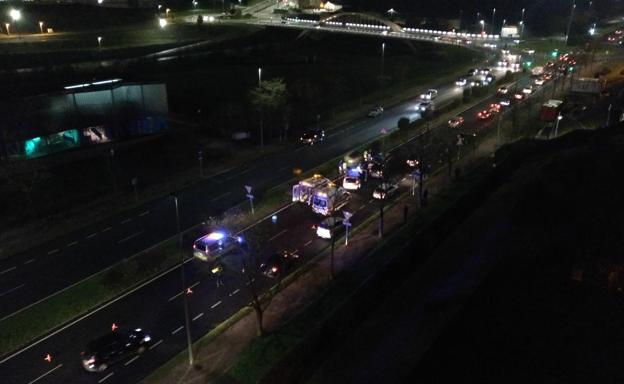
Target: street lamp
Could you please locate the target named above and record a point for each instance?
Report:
(100, 43)
(41, 26)
(381, 77)
(7, 25)
(522, 24)
(167, 12)
(559, 117)
(259, 77)
(189, 343)
(482, 22)
(15, 14)
(570, 22)
(493, 14)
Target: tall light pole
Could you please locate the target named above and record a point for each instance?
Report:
(189, 343)
(15, 15)
(559, 117)
(100, 43)
(259, 77)
(570, 22)
(482, 22)
(41, 27)
(381, 76)
(7, 25)
(493, 14)
(522, 24)
(260, 109)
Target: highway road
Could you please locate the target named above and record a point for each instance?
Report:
(157, 306)
(55, 265)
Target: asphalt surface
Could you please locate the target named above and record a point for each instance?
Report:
(157, 306)
(55, 265)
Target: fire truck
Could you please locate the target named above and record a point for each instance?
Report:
(329, 198)
(304, 190)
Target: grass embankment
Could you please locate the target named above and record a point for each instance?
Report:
(61, 308)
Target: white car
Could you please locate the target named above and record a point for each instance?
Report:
(424, 106)
(538, 81)
(527, 90)
(378, 110)
(351, 183)
(429, 95)
(461, 82)
(385, 190)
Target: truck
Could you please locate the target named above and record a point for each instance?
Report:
(587, 85)
(329, 199)
(304, 189)
(550, 110)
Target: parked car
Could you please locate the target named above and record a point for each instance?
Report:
(538, 81)
(330, 227)
(213, 245)
(478, 83)
(351, 183)
(385, 190)
(114, 347)
(484, 71)
(378, 110)
(456, 121)
(473, 71)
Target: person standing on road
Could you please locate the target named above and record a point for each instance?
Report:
(218, 271)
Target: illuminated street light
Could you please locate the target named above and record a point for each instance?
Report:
(522, 24)
(167, 12)
(100, 1)
(592, 30)
(15, 14)
(570, 23)
(100, 43)
(7, 25)
(482, 22)
(493, 14)
(162, 22)
(259, 77)
(41, 26)
(159, 6)
(559, 117)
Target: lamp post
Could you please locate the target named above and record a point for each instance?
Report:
(41, 27)
(99, 42)
(559, 117)
(15, 15)
(381, 76)
(493, 14)
(260, 110)
(187, 321)
(522, 24)
(482, 22)
(570, 22)
(259, 77)
(7, 25)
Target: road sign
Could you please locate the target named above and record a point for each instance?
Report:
(347, 215)
(248, 188)
(383, 131)
(346, 223)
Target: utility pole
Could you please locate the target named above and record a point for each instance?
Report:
(570, 22)
(381, 76)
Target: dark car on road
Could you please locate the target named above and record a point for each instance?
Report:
(277, 264)
(312, 136)
(114, 347)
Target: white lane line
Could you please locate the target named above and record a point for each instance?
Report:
(362, 207)
(126, 221)
(103, 379)
(283, 168)
(29, 261)
(198, 316)
(131, 361)
(8, 270)
(144, 213)
(156, 344)
(106, 229)
(11, 290)
(307, 243)
(213, 306)
(248, 170)
(180, 293)
(220, 196)
(91, 235)
(45, 374)
(234, 292)
(53, 251)
(130, 237)
(72, 244)
(177, 330)
(278, 235)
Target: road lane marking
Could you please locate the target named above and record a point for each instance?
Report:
(278, 235)
(198, 316)
(283, 168)
(181, 292)
(177, 330)
(11, 290)
(103, 379)
(213, 306)
(361, 207)
(307, 243)
(106, 229)
(53, 251)
(247, 170)
(156, 344)
(131, 361)
(8, 270)
(234, 292)
(144, 213)
(126, 221)
(29, 261)
(72, 243)
(220, 196)
(45, 374)
(130, 237)
(91, 235)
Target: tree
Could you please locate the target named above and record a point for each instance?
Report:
(268, 98)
